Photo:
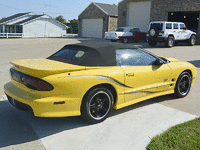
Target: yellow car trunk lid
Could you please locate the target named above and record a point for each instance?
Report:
(44, 67)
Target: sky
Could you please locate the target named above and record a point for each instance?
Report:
(69, 9)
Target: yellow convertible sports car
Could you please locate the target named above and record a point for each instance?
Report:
(90, 78)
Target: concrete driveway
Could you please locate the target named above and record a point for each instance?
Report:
(128, 128)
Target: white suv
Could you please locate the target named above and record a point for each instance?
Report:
(169, 32)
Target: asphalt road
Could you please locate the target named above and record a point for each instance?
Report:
(128, 128)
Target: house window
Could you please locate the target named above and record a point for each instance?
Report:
(6, 29)
(18, 29)
(1, 28)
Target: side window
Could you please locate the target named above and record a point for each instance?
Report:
(182, 26)
(168, 26)
(133, 57)
(135, 30)
(175, 26)
(69, 53)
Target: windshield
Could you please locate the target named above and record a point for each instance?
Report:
(120, 30)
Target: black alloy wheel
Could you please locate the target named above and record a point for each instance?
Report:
(183, 85)
(96, 105)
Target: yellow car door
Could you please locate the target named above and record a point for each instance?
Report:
(144, 73)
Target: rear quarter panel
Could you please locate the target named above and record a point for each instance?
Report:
(134, 36)
(76, 84)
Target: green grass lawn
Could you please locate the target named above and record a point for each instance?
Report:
(185, 136)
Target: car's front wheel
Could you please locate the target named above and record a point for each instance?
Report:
(96, 105)
(170, 41)
(192, 40)
(183, 85)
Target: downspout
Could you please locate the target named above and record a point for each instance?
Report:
(3, 28)
(108, 23)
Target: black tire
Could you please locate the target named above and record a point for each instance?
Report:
(183, 85)
(113, 40)
(153, 32)
(152, 43)
(125, 40)
(192, 40)
(145, 40)
(96, 105)
(170, 41)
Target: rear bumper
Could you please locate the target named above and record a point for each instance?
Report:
(42, 106)
(158, 39)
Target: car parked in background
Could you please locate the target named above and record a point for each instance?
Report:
(125, 34)
(133, 35)
(169, 32)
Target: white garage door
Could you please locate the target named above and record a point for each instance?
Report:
(139, 15)
(92, 28)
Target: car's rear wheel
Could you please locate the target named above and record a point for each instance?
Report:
(183, 85)
(96, 105)
(152, 43)
(192, 40)
(125, 40)
(170, 41)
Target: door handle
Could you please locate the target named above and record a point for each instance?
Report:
(130, 74)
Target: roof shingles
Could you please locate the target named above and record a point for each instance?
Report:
(108, 8)
(3, 20)
(29, 19)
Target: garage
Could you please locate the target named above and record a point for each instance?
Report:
(92, 28)
(97, 19)
(137, 17)
(191, 19)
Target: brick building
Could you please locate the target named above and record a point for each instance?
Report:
(97, 19)
(140, 12)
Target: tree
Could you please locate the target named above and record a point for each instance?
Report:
(73, 26)
(61, 19)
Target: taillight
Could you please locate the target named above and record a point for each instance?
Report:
(161, 33)
(30, 82)
(36, 84)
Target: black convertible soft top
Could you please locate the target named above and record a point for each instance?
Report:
(95, 53)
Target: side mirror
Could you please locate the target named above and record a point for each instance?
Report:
(158, 62)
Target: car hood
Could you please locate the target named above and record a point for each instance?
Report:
(44, 67)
